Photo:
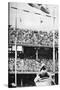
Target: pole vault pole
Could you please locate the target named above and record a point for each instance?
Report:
(54, 41)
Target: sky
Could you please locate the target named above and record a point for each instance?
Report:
(33, 21)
